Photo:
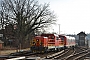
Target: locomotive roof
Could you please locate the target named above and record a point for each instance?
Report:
(49, 34)
(69, 37)
(41, 36)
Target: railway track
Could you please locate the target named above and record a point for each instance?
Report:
(77, 56)
(75, 52)
(28, 53)
(71, 51)
(86, 57)
(58, 54)
(66, 54)
(23, 53)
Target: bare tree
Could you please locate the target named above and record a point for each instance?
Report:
(28, 15)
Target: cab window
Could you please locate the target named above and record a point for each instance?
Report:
(57, 38)
(52, 37)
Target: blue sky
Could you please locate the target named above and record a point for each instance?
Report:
(72, 15)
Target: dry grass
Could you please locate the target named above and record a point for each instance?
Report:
(6, 52)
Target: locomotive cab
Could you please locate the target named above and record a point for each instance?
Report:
(39, 44)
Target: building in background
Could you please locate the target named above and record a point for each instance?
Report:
(82, 39)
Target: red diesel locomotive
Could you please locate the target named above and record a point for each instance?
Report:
(68, 41)
(52, 42)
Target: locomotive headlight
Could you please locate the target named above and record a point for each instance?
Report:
(37, 40)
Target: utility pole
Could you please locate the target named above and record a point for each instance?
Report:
(59, 28)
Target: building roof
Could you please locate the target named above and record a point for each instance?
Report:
(1, 41)
(82, 33)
